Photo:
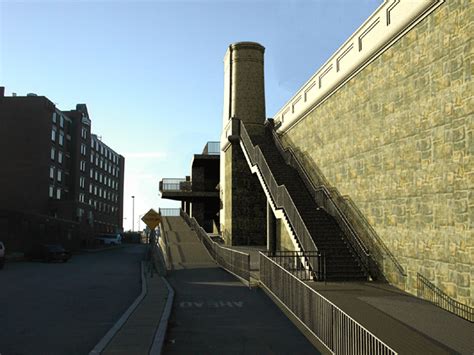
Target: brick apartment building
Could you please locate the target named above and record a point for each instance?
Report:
(58, 181)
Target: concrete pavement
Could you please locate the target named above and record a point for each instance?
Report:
(406, 323)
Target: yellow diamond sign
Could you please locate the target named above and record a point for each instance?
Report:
(152, 219)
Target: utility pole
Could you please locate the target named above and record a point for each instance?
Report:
(133, 213)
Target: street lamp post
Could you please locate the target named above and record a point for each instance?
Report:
(133, 213)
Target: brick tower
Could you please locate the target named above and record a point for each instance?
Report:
(243, 202)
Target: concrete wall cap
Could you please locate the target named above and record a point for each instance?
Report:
(247, 45)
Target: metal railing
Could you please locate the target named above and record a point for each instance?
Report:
(169, 212)
(212, 148)
(168, 184)
(361, 236)
(297, 263)
(340, 333)
(426, 290)
(279, 193)
(235, 261)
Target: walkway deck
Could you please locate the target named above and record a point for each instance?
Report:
(407, 324)
(213, 313)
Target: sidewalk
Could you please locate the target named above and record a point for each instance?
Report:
(141, 330)
(137, 335)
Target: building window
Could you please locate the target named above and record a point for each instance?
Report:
(96, 175)
(53, 134)
(100, 178)
(81, 197)
(61, 138)
(84, 132)
(51, 172)
(83, 149)
(95, 190)
(82, 165)
(90, 188)
(92, 157)
(54, 117)
(58, 193)
(51, 191)
(61, 121)
(53, 153)
(82, 182)
(91, 173)
(60, 175)
(60, 157)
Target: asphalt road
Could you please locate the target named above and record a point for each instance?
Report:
(66, 308)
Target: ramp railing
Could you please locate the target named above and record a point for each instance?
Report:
(340, 333)
(170, 212)
(433, 294)
(234, 261)
(297, 262)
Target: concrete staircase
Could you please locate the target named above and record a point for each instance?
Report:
(341, 261)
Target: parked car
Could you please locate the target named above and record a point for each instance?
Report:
(49, 252)
(2, 255)
(110, 239)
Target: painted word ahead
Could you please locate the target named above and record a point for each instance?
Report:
(211, 304)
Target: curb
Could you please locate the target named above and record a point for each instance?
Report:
(160, 334)
(101, 249)
(13, 258)
(101, 345)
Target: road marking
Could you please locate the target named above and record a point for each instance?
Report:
(211, 304)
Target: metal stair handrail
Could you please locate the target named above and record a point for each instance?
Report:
(324, 197)
(426, 290)
(279, 193)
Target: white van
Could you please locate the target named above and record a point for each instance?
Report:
(110, 239)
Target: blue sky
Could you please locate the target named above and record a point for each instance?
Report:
(151, 72)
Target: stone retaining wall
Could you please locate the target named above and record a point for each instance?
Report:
(398, 139)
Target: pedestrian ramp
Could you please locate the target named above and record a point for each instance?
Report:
(183, 247)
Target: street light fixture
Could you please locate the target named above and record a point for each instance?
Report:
(133, 213)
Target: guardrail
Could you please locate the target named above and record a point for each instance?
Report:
(431, 293)
(235, 261)
(279, 194)
(340, 333)
(363, 239)
(297, 263)
(175, 185)
(170, 212)
(212, 148)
